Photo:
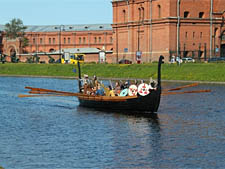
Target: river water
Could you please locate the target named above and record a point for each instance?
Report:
(55, 133)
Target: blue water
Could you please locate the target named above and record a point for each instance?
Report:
(55, 132)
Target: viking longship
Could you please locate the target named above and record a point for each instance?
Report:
(148, 101)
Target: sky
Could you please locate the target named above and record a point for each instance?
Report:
(56, 12)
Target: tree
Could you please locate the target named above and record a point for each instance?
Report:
(15, 29)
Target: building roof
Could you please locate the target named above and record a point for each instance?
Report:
(56, 28)
(81, 50)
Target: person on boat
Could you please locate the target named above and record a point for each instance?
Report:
(153, 85)
(100, 91)
(117, 89)
(93, 82)
(111, 92)
(85, 86)
(85, 79)
(124, 85)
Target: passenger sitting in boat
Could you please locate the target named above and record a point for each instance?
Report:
(111, 92)
(124, 86)
(153, 85)
(85, 88)
(100, 91)
(85, 79)
(93, 82)
(117, 89)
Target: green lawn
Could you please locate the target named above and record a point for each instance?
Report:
(188, 71)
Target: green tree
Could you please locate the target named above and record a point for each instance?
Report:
(15, 29)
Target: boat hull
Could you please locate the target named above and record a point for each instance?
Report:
(149, 103)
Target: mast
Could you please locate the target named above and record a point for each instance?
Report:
(79, 76)
(159, 72)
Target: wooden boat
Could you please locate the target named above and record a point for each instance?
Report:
(149, 103)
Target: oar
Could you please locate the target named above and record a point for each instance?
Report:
(193, 91)
(47, 90)
(39, 92)
(181, 87)
(50, 95)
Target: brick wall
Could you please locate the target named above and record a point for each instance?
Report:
(151, 27)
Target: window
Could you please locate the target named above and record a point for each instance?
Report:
(215, 31)
(186, 14)
(68, 40)
(79, 40)
(100, 40)
(53, 40)
(84, 40)
(201, 14)
(95, 40)
(139, 12)
(64, 40)
(193, 34)
(124, 15)
(143, 13)
(200, 34)
(111, 39)
(49, 40)
(34, 41)
(186, 35)
(159, 11)
(41, 40)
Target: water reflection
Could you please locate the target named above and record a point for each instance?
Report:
(134, 138)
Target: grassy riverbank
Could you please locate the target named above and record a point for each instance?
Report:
(214, 72)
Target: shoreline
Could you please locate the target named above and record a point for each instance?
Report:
(104, 78)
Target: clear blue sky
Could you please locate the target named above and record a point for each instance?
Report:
(56, 12)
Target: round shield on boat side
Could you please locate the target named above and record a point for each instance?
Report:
(143, 89)
(133, 90)
(124, 92)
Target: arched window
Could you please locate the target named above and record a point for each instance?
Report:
(124, 15)
(159, 11)
(53, 40)
(201, 14)
(139, 12)
(201, 34)
(186, 35)
(143, 13)
(215, 32)
(186, 14)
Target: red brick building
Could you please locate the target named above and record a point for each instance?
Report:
(192, 28)
(56, 38)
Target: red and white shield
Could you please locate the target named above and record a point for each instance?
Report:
(143, 89)
(133, 90)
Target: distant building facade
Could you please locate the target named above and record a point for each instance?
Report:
(145, 29)
(56, 38)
